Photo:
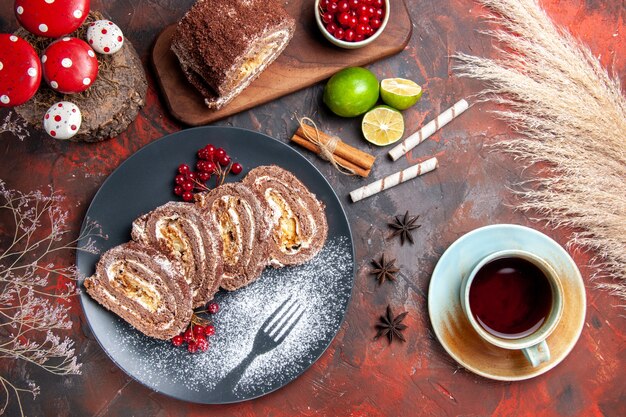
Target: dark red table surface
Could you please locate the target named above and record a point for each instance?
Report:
(356, 376)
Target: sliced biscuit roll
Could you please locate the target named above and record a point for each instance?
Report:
(143, 287)
(240, 218)
(298, 221)
(178, 230)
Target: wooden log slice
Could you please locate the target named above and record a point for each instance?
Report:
(109, 105)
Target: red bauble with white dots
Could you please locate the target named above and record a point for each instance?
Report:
(51, 18)
(20, 71)
(105, 37)
(62, 120)
(69, 65)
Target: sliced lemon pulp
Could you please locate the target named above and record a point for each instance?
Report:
(382, 126)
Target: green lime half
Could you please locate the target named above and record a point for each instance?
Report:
(382, 125)
(400, 93)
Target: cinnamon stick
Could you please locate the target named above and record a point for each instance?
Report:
(305, 143)
(347, 152)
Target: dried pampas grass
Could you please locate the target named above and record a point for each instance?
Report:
(571, 117)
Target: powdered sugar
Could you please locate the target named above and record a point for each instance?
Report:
(322, 287)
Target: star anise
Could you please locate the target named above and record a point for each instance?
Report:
(403, 226)
(384, 269)
(391, 326)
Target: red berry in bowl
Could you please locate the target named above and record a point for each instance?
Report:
(364, 20)
(362, 10)
(349, 35)
(344, 19)
(343, 6)
(178, 190)
(213, 308)
(209, 330)
(183, 169)
(354, 4)
(380, 13)
(187, 196)
(375, 23)
(236, 168)
(378, 3)
(327, 17)
(339, 34)
(177, 340)
(353, 21)
(332, 8)
(361, 29)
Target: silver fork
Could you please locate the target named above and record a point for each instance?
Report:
(272, 333)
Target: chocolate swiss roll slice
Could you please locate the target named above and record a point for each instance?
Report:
(223, 45)
(298, 221)
(179, 230)
(240, 218)
(144, 287)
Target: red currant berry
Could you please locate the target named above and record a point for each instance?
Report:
(339, 34)
(354, 4)
(177, 340)
(187, 185)
(359, 37)
(202, 344)
(364, 20)
(188, 335)
(332, 8)
(198, 331)
(203, 154)
(236, 168)
(371, 11)
(349, 35)
(327, 17)
(353, 22)
(380, 13)
(361, 29)
(219, 152)
(192, 347)
(213, 308)
(210, 167)
(187, 196)
(362, 10)
(343, 6)
(379, 3)
(344, 19)
(225, 160)
(180, 179)
(191, 176)
(209, 330)
(375, 23)
(178, 190)
(324, 3)
(331, 28)
(183, 169)
(368, 2)
(204, 176)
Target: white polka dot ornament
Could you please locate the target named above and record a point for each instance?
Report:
(69, 65)
(105, 37)
(62, 120)
(51, 18)
(20, 71)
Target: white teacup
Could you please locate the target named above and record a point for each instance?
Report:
(533, 345)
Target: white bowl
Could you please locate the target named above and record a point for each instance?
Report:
(346, 44)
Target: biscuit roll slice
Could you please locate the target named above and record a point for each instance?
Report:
(223, 45)
(144, 287)
(298, 220)
(178, 230)
(240, 218)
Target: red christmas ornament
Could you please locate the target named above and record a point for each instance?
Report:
(51, 18)
(20, 71)
(69, 65)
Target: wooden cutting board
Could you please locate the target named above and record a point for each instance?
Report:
(308, 59)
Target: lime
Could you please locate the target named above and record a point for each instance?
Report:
(351, 92)
(382, 125)
(400, 93)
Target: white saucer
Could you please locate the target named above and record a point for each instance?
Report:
(453, 329)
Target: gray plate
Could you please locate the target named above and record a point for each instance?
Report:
(322, 286)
